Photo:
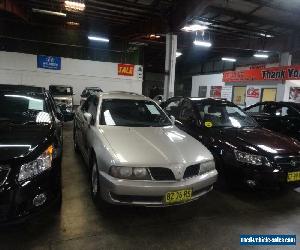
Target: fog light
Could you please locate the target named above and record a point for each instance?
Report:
(39, 200)
(251, 183)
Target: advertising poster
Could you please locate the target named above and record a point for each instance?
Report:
(215, 91)
(294, 94)
(125, 69)
(227, 93)
(253, 92)
(49, 62)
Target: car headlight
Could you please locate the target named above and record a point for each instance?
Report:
(130, 173)
(251, 159)
(207, 167)
(36, 167)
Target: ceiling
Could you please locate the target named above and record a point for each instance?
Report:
(236, 27)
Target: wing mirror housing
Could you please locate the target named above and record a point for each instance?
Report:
(88, 117)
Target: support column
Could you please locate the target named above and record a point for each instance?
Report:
(170, 64)
(285, 60)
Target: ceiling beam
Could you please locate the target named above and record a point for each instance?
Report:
(251, 18)
(185, 11)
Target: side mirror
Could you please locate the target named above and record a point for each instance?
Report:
(88, 117)
(172, 119)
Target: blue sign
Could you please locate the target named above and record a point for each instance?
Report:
(49, 62)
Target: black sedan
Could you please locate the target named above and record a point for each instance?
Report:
(244, 151)
(30, 152)
(281, 117)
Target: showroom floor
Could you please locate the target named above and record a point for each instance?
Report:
(213, 222)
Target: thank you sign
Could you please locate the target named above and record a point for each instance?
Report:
(49, 62)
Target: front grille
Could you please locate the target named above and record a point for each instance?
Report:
(135, 198)
(191, 171)
(162, 174)
(292, 162)
(4, 171)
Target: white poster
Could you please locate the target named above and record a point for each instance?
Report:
(227, 93)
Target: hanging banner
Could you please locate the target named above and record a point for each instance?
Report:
(49, 62)
(125, 69)
(273, 74)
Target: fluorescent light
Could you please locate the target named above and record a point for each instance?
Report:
(74, 6)
(202, 43)
(194, 27)
(259, 55)
(98, 39)
(48, 12)
(228, 59)
(178, 54)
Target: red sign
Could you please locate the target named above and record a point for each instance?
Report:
(270, 74)
(253, 92)
(125, 69)
(215, 91)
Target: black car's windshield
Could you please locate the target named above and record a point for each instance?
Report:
(23, 107)
(60, 90)
(224, 115)
(132, 113)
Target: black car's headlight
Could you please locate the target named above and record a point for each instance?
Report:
(36, 167)
(135, 173)
(257, 160)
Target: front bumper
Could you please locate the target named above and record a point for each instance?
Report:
(264, 178)
(151, 193)
(16, 201)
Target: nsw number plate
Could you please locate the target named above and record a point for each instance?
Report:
(293, 176)
(178, 196)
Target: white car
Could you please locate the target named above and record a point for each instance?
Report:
(136, 155)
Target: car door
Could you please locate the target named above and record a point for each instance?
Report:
(265, 115)
(290, 120)
(92, 105)
(187, 120)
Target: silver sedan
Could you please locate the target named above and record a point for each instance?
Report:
(136, 155)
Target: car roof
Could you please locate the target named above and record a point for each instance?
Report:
(61, 86)
(122, 95)
(21, 88)
(210, 100)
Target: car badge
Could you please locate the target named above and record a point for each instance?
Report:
(293, 163)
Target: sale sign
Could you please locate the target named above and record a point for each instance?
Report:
(125, 69)
(273, 74)
(253, 92)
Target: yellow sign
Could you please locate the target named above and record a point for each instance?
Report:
(178, 196)
(208, 124)
(293, 176)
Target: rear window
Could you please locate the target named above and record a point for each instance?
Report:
(60, 90)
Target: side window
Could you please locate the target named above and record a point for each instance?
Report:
(256, 109)
(186, 111)
(85, 106)
(172, 107)
(269, 109)
(283, 110)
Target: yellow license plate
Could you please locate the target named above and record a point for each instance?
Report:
(293, 176)
(178, 196)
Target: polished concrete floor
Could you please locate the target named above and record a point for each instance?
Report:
(213, 222)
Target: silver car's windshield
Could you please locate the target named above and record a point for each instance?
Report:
(132, 113)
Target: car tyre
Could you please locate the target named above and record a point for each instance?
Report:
(95, 184)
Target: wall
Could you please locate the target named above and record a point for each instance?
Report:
(216, 80)
(18, 68)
